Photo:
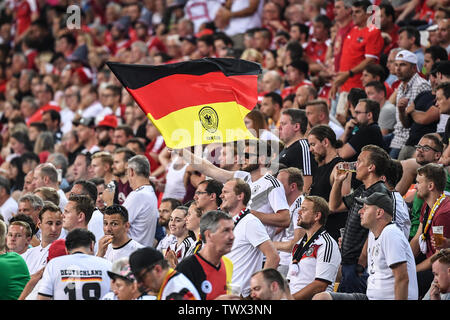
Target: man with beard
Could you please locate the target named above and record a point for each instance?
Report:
(269, 284)
(165, 209)
(315, 258)
(431, 180)
(105, 130)
(429, 150)
(368, 131)
(268, 200)
(116, 243)
(323, 145)
(411, 85)
(292, 129)
(120, 160)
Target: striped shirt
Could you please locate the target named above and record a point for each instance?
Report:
(355, 235)
(414, 86)
(181, 250)
(298, 155)
(320, 261)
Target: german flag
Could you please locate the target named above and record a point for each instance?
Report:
(195, 102)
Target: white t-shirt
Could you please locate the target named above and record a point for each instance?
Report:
(95, 225)
(174, 182)
(67, 116)
(8, 209)
(401, 214)
(113, 254)
(267, 196)
(143, 214)
(268, 135)
(92, 111)
(337, 129)
(201, 11)
(390, 248)
(240, 25)
(288, 233)
(62, 200)
(77, 276)
(249, 233)
(320, 261)
(36, 258)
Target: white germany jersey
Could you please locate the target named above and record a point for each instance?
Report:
(76, 277)
(320, 261)
(288, 233)
(267, 196)
(113, 254)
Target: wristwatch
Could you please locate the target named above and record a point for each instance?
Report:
(350, 73)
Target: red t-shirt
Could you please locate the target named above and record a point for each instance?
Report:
(441, 218)
(316, 51)
(37, 116)
(360, 44)
(394, 40)
(293, 89)
(341, 35)
(23, 16)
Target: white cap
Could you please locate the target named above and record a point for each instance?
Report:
(433, 27)
(408, 56)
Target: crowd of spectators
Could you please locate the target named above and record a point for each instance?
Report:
(362, 83)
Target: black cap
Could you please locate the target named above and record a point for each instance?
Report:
(379, 199)
(143, 258)
(88, 122)
(192, 39)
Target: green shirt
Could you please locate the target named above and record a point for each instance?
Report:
(14, 275)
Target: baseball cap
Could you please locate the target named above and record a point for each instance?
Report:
(379, 199)
(407, 56)
(88, 122)
(143, 258)
(109, 120)
(57, 249)
(190, 38)
(121, 269)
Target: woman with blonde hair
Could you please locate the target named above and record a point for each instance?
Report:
(253, 55)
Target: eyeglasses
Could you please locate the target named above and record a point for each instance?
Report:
(360, 112)
(200, 192)
(141, 276)
(425, 148)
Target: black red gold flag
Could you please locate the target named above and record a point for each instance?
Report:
(194, 102)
